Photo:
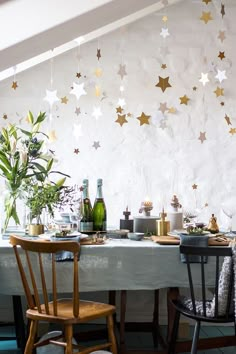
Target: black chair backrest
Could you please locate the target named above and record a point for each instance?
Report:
(215, 254)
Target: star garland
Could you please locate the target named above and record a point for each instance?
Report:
(14, 83)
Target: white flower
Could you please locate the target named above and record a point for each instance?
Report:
(12, 144)
(23, 151)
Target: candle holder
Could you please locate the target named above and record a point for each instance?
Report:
(145, 223)
(175, 216)
(146, 208)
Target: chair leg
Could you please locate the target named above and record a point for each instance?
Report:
(31, 338)
(174, 334)
(111, 334)
(19, 322)
(68, 332)
(195, 337)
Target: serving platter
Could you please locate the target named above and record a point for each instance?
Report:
(174, 240)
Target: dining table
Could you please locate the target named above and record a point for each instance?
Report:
(114, 265)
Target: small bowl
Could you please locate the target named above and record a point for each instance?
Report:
(135, 236)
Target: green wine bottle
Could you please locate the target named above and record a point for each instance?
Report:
(99, 210)
(86, 222)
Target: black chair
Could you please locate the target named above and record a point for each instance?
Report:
(197, 306)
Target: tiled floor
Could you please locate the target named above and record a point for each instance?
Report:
(134, 340)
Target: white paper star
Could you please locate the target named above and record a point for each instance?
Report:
(164, 32)
(78, 90)
(121, 102)
(77, 130)
(97, 112)
(204, 78)
(51, 97)
(221, 75)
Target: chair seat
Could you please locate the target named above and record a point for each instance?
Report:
(181, 307)
(88, 310)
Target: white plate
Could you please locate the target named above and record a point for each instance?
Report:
(48, 237)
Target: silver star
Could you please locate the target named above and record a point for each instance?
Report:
(51, 97)
(164, 32)
(221, 75)
(77, 111)
(77, 130)
(204, 78)
(163, 107)
(97, 112)
(163, 124)
(122, 71)
(78, 90)
(96, 144)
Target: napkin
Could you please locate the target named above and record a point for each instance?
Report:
(193, 240)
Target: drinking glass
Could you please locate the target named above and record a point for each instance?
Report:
(229, 209)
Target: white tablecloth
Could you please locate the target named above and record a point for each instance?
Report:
(116, 265)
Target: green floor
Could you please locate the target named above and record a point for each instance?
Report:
(133, 340)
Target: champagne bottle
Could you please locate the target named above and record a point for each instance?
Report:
(99, 210)
(86, 222)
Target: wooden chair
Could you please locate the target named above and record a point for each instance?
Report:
(66, 312)
(201, 309)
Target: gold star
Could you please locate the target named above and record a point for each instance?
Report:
(143, 119)
(4, 116)
(206, 1)
(163, 66)
(219, 91)
(202, 137)
(52, 136)
(78, 75)
(172, 110)
(194, 186)
(97, 91)
(119, 109)
(232, 131)
(228, 121)
(121, 119)
(129, 115)
(163, 83)
(184, 100)
(221, 35)
(14, 85)
(206, 16)
(221, 55)
(194, 88)
(76, 151)
(98, 72)
(98, 53)
(164, 18)
(64, 100)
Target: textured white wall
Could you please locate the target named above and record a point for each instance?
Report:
(138, 161)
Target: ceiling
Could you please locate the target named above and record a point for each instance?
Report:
(36, 27)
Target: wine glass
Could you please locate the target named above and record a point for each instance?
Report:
(190, 215)
(229, 209)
